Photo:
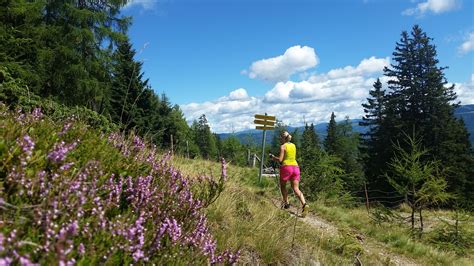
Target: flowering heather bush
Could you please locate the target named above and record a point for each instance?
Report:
(68, 196)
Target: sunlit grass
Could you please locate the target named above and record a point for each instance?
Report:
(397, 237)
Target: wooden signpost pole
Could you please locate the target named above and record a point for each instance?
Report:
(263, 155)
(264, 122)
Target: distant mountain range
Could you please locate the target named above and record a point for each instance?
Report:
(466, 112)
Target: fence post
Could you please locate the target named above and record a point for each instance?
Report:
(172, 148)
(187, 148)
(366, 198)
(248, 157)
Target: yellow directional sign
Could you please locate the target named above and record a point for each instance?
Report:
(264, 128)
(265, 117)
(264, 122)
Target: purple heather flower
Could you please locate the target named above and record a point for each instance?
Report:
(82, 249)
(20, 116)
(26, 262)
(66, 166)
(5, 261)
(2, 238)
(65, 128)
(138, 143)
(60, 151)
(27, 145)
(138, 254)
(36, 114)
(173, 229)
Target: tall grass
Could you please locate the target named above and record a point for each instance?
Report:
(244, 217)
(397, 237)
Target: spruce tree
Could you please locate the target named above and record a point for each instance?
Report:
(80, 36)
(62, 49)
(373, 146)
(310, 147)
(330, 141)
(374, 109)
(421, 101)
(128, 88)
(347, 148)
(204, 139)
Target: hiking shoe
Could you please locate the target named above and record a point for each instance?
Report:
(285, 206)
(305, 210)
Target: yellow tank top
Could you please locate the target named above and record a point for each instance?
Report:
(290, 154)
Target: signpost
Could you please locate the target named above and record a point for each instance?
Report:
(264, 122)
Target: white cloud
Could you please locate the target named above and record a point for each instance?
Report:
(434, 6)
(280, 68)
(468, 45)
(465, 91)
(340, 90)
(226, 113)
(366, 67)
(338, 84)
(145, 4)
(312, 100)
(238, 94)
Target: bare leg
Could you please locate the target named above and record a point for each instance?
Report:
(296, 189)
(283, 190)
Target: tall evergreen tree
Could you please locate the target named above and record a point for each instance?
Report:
(20, 30)
(310, 147)
(128, 97)
(204, 138)
(233, 151)
(374, 109)
(420, 101)
(66, 47)
(330, 142)
(373, 143)
(347, 149)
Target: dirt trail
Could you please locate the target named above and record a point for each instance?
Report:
(372, 247)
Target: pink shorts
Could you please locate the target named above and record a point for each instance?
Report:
(289, 172)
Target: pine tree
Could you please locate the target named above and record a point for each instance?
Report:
(233, 151)
(374, 109)
(330, 141)
(420, 101)
(62, 49)
(347, 148)
(204, 138)
(310, 147)
(79, 38)
(20, 30)
(128, 97)
(373, 146)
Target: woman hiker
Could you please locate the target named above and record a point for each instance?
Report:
(289, 171)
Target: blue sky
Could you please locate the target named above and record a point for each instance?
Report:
(298, 60)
